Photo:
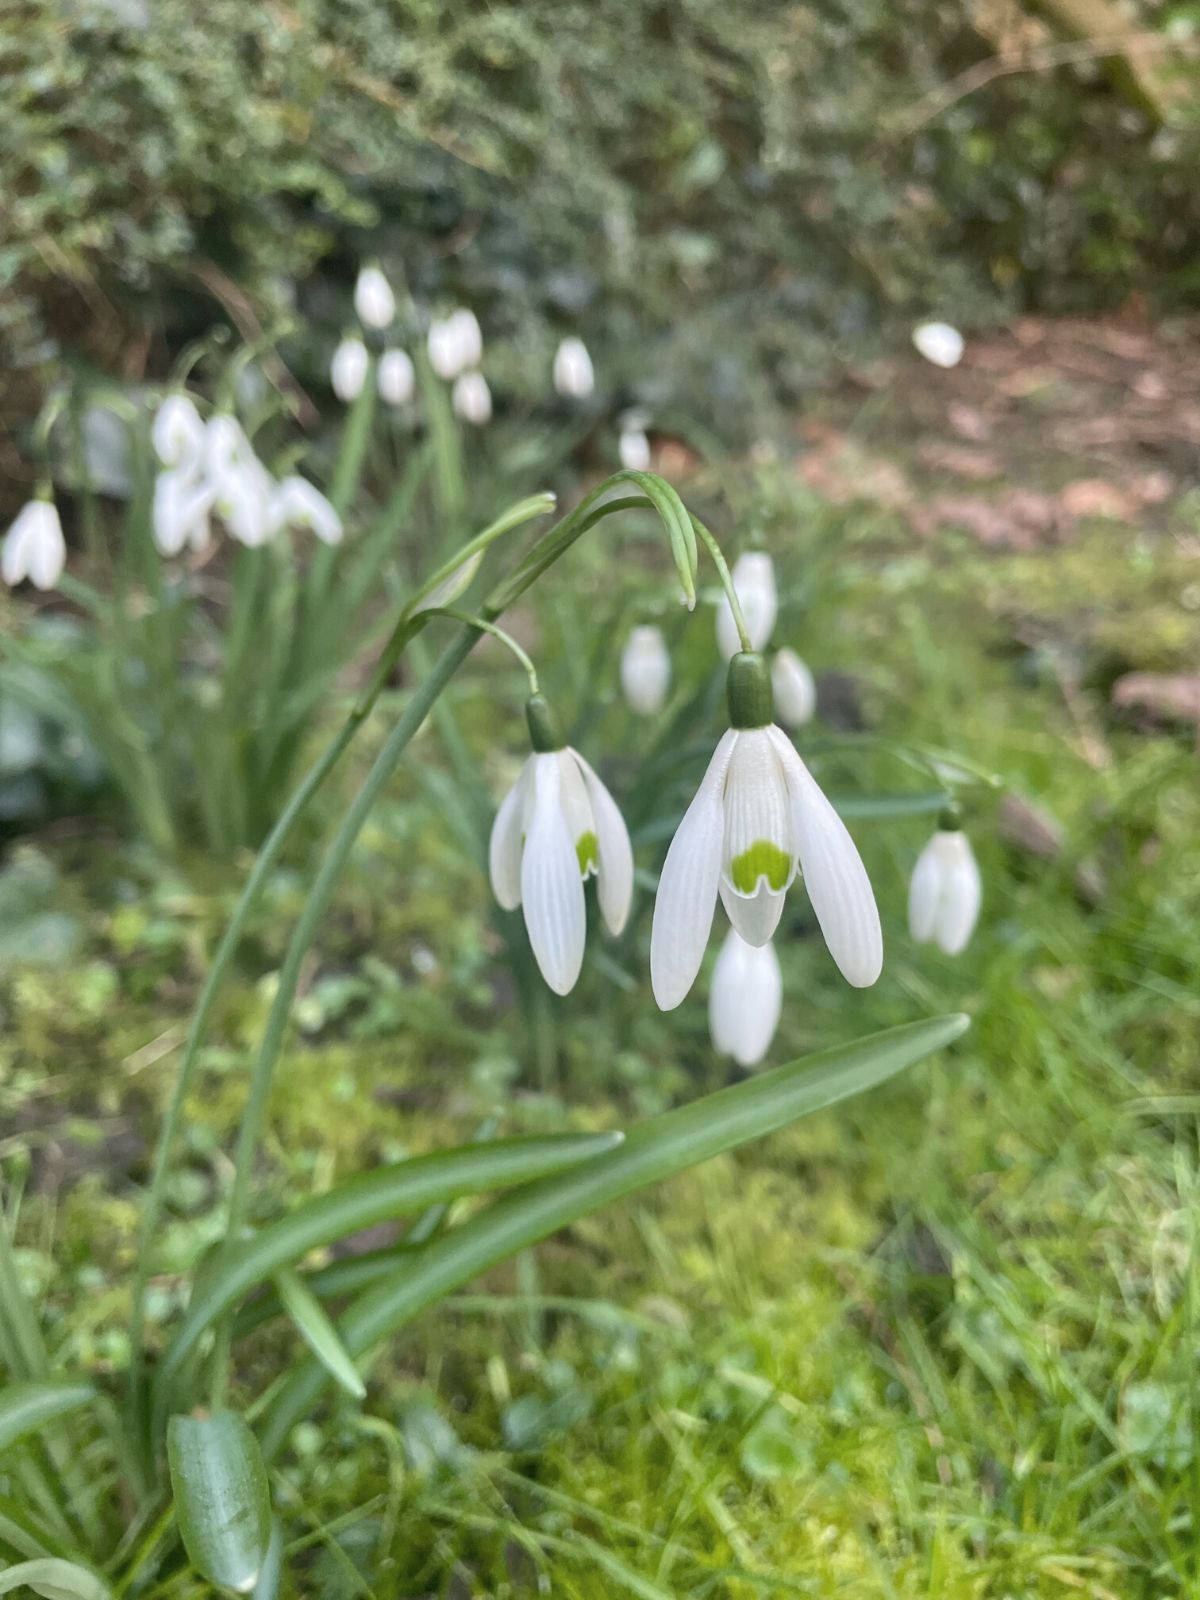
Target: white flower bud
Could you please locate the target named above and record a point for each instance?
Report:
(745, 1000)
(34, 546)
(397, 379)
(455, 343)
(645, 670)
(754, 584)
(945, 893)
(295, 503)
(373, 299)
(574, 376)
(471, 398)
(939, 343)
(348, 369)
(178, 432)
(794, 690)
(180, 511)
(633, 448)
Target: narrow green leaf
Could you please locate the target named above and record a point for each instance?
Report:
(889, 805)
(26, 1407)
(655, 1150)
(317, 1331)
(361, 1203)
(54, 1580)
(222, 1502)
(271, 1575)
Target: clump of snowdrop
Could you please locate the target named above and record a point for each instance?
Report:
(794, 688)
(645, 670)
(758, 818)
(558, 826)
(34, 547)
(754, 583)
(745, 1000)
(939, 343)
(471, 398)
(574, 375)
(946, 890)
(397, 378)
(373, 299)
(455, 343)
(348, 369)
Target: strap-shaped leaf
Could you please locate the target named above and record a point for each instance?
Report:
(26, 1407)
(54, 1580)
(361, 1203)
(311, 1318)
(222, 1501)
(655, 1150)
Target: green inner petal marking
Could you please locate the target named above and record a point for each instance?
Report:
(587, 848)
(762, 860)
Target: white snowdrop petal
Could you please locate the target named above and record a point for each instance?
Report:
(687, 888)
(471, 398)
(939, 343)
(615, 874)
(834, 875)
(574, 376)
(645, 670)
(296, 503)
(34, 546)
(755, 916)
(373, 298)
(758, 822)
(551, 888)
(745, 1000)
(178, 433)
(794, 689)
(633, 450)
(923, 891)
(961, 893)
(504, 846)
(397, 377)
(348, 369)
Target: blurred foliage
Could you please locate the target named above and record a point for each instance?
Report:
(697, 184)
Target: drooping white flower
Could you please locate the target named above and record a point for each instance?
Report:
(633, 450)
(939, 343)
(794, 689)
(243, 501)
(397, 379)
(295, 503)
(348, 369)
(754, 583)
(226, 447)
(557, 826)
(945, 893)
(645, 670)
(34, 546)
(373, 299)
(180, 511)
(574, 376)
(757, 818)
(455, 343)
(745, 999)
(471, 398)
(178, 433)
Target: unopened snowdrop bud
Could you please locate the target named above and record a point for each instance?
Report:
(645, 670)
(34, 546)
(471, 398)
(178, 433)
(397, 380)
(757, 818)
(939, 343)
(295, 503)
(574, 376)
(946, 891)
(558, 826)
(180, 512)
(455, 343)
(448, 591)
(373, 299)
(633, 450)
(754, 583)
(348, 369)
(794, 689)
(745, 1000)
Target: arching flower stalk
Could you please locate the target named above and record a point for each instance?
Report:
(754, 582)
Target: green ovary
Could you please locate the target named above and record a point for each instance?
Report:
(587, 848)
(762, 860)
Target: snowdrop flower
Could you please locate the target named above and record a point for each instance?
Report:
(178, 433)
(793, 687)
(633, 449)
(945, 893)
(295, 503)
(455, 343)
(745, 1000)
(939, 343)
(557, 826)
(179, 515)
(471, 398)
(397, 379)
(645, 670)
(243, 498)
(373, 299)
(574, 376)
(348, 369)
(754, 583)
(226, 447)
(34, 546)
(758, 816)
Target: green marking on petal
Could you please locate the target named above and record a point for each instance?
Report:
(762, 860)
(587, 848)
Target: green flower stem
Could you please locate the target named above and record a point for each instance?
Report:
(735, 605)
(496, 633)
